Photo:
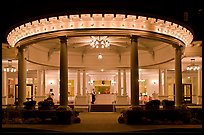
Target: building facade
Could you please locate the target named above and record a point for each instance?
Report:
(127, 59)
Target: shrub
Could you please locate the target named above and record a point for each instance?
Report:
(153, 104)
(76, 119)
(29, 105)
(121, 119)
(45, 105)
(64, 115)
(167, 104)
(133, 116)
(178, 116)
(184, 115)
(11, 115)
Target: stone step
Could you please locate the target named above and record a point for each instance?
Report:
(102, 108)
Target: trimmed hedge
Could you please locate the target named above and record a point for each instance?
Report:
(59, 116)
(10, 114)
(29, 105)
(54, 116)
(45, 105)
(156, 116)
(168, 104)
(153, 104)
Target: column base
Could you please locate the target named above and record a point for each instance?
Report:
(10, 101)
(81, 100)
(194, 99)
(81, 103)
(4, 100)
(122, 100)
(199, 100)
(163, 97)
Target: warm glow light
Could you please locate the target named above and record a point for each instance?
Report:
(9, 68)
(100, 56)
(51, 82)
(192, 66)
(141, 80)
(154, 82)
(113, 82)
(98, 42)
(95, 21)
(90, 82)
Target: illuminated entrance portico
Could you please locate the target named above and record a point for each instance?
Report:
(120, 29)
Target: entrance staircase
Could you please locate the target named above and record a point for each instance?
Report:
(102, 108)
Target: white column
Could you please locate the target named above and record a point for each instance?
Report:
(199, 101)
(38, 93)
(115, 86)
(119, 82)
(84, 83)
(89, 86)
(63, 73)
(124, 83)
(21, 77)
(78, 83)
(43, 83)
(33, 94)
(122, 98)
(178, 78)
(160, 83)
(4, 83)
(81, 98)
(4, 87)
(165, 83)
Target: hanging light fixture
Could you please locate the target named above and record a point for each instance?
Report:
(100, 56)
(9, 68)
(193, 66)
(98, 42)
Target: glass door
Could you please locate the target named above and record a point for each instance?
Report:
(28, 93)
(187, 93)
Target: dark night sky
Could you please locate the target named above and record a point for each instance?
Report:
(15, 12)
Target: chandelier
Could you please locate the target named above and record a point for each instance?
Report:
(192, 66)
(9, 68)
(98, 42)
(100, 56)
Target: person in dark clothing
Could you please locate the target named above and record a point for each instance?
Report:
(93, 96)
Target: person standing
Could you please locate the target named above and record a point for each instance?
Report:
(93, 96)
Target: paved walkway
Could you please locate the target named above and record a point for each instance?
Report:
(101, 122)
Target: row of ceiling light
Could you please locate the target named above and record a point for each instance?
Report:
(192, 66)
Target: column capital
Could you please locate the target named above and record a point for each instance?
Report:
(177, 46)
(63, 39)
(20, 48)
(134, 38)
